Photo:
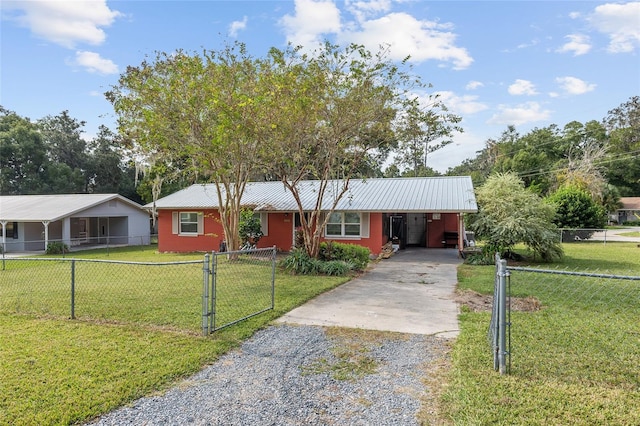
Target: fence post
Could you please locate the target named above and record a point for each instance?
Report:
(273, 277)
(214, 272)
(73, 288)
(205, 295)
(502, 316)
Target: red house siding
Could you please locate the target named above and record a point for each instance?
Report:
(279, 233)
(448, 222)
(208, 241)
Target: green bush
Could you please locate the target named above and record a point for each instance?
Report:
(335, 259)
(249, 227)
(353, 254)
(298, 262)
(336, 267)
(57, 247)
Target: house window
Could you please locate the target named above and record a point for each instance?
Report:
(11, 228)
(188, 223)
(343, 224)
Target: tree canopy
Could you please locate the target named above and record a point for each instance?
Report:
(50, 156)
(290, 116)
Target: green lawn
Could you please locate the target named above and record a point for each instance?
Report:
(630, 234)
(59, 371)
(573, 362)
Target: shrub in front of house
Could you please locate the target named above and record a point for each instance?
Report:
(57, 247)
(353, 254)
(334, 259)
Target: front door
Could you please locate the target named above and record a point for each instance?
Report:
(397, 231)
(416, 229)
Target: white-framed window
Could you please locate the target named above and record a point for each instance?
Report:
(344, 224)
(187, 223)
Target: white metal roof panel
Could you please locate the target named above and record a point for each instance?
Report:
(36, 208)
(427, 194)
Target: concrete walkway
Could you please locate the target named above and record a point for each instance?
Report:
(411, 292)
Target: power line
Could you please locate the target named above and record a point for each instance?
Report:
(618, 157)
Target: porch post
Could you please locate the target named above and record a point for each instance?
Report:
(45, 223)
(66, 231)
(4, 235)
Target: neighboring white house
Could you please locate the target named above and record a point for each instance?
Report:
(630, 211)
(30, 222)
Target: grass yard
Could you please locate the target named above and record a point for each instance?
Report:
(630, 234)
(573, 362)
(58, 371)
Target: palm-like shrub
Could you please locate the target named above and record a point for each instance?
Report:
(510, 214)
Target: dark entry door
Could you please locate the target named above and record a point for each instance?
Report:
(397, 230)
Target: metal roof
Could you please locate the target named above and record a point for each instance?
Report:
(401, 195)
(630, 203)
(36, 208)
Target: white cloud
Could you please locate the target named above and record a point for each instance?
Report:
(364, 9)
(237, 26)
(66, 23)
(311, 21)
(472, 85)
(93, 63)
(520, 114)
(465, 104)
(574, 86)
(578, 44)
(620, 23)
(373, 27)
(522, 87)
(407, 36)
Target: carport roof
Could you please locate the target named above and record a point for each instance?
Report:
(398, 195)
(37, 208)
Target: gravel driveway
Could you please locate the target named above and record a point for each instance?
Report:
(302, 372)
(284, 375)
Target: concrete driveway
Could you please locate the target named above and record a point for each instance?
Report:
(411, 292)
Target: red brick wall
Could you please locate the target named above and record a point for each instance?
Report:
(280, 233)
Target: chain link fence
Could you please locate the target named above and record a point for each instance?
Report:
(241, 284)
(17, 247)
(191, 296)
(578, 319)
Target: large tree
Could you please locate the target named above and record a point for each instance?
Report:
(291, 116)
(197, 111)
(23, 155)
(623, 162)
(334, 109)
(423, 128)
(62, 134)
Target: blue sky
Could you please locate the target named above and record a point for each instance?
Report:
(494, 63)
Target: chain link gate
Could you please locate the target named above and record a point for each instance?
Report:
(237, 285)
